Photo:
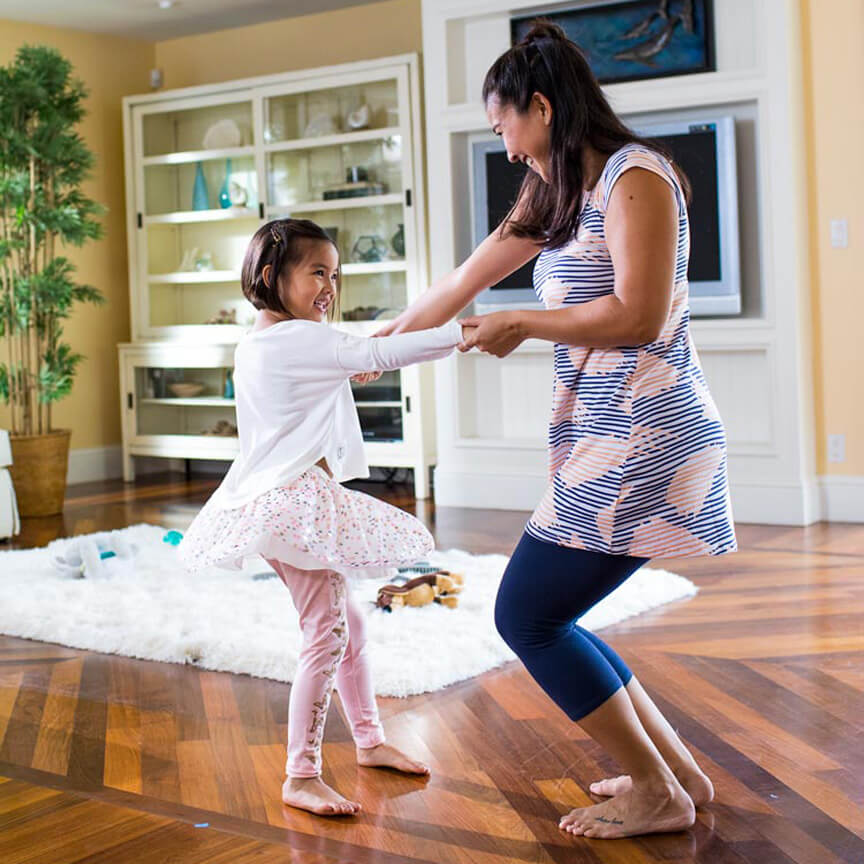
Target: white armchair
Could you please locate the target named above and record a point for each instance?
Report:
(10, 524)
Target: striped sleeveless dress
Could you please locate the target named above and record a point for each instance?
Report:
(637, 448)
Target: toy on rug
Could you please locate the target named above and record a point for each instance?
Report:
(172, 538)
(93, 556)
(432, 586)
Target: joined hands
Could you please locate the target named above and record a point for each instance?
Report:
(497, 333)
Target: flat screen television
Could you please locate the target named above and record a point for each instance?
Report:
(703, 147)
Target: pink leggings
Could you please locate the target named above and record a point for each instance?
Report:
(333, 653)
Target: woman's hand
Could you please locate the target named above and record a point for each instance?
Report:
(388, 329)
(498, 333)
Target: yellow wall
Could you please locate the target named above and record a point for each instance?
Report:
(341, 36)
(833, 72)
(111, 68)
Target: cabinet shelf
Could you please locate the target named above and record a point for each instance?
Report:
(333, 140)
(191, 277)
(185, 157)
(336, 204)
(185, 216)
(193, 401)
(360, 405)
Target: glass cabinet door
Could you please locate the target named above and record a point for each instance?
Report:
(379, 407)
(185, 402)
(334, 150)
(335, 155)
(198, 204)
(324, 110)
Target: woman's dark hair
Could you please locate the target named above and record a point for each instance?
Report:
(282, 244)
(547, 62)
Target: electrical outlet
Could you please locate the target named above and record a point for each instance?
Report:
(836, 448)
(840, 233)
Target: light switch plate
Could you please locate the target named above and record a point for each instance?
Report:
(840, 233)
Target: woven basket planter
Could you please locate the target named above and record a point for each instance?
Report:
(38, 470)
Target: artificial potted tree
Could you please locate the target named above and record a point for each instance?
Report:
(43, 163)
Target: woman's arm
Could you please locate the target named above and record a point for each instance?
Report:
(495, 258)
(641, 234)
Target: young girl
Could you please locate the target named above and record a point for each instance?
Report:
(282, 499)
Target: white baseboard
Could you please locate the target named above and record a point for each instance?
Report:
(87, 465)
(767, 503)
(761, 503)
(842, 498)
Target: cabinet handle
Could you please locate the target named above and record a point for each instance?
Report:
(407, 404)
(140, 221)
(130, 401)
(407, 197)
(260, 209)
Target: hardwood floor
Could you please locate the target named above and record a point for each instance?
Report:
(109, 759)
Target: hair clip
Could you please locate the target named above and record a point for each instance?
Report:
(274, 235)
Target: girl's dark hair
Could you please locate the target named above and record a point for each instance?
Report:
(547, 62)
(282, 244)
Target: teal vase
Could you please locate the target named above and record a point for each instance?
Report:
(200, 198)
(224, 196)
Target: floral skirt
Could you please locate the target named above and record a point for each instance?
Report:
(313, 523)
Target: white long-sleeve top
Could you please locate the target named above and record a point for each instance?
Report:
(294, 402)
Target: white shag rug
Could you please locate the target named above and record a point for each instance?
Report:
(245, 622)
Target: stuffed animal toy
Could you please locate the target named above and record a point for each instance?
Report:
(435, 586)
(93, 556)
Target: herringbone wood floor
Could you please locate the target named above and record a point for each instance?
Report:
(108, 759)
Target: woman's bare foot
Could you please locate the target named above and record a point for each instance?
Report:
(314, 795)
(385, 756)
(695, 782)
(641, 810)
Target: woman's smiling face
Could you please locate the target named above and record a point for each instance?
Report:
(526, 135)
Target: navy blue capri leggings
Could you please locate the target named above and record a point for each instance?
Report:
(544, 591)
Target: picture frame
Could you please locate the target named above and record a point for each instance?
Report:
(633, 40)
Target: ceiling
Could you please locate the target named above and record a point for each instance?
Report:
(143, 19)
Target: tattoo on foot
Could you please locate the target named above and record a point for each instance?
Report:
(609, 821)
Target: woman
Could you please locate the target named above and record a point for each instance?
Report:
(637, 448)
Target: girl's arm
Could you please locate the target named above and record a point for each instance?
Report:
(641, 234)
(356, 354)
(495, 258)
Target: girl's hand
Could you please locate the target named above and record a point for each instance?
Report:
(498, 333)
(467, 342)
(366, 377)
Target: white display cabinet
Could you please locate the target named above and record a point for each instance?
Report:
(205, 167)
(160, 419)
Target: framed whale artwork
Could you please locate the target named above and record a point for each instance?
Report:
(636, 39)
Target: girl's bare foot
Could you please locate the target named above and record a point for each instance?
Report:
(641, 810)
(314, 795)
(385, 756)
(695, 782)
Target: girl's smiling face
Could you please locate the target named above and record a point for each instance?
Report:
(309, 290)
(526, 135)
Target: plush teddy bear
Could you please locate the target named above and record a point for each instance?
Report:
(435, 586)
(92, 556)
